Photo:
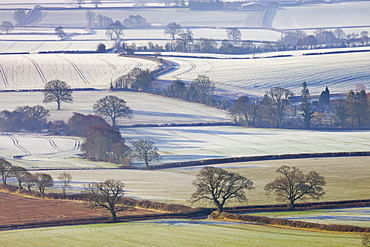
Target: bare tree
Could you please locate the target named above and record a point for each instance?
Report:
(57, 91)
(146, 151)
(90, 16)
(279, 100)
(5, 169)
(6, 26)
(30, 180)
(20, 174)
(173, 29)
(234, 34)
(293, 185)
(80, 2)
(185, 39)
(220, 186)
(43, 181)
(60, 32)
(115, 28)
(204, 84)
(112, 107)
(365, 239)
(65, 178)
(96, 3)
(107, 194)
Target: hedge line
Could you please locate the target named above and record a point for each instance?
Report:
(291, 223)
(301, 206)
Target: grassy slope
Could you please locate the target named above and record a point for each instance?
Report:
(174, 233)
(174, 185)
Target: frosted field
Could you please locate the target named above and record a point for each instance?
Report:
(340, 72)
(175, 185)
(147, 108)
(196, 143)
(33, 71)
(158, 17)
(51, 45)
(319, 16)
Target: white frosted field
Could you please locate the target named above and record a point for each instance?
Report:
(196, 143)
(51, 45)
(340, 72)
(157, 17)
(147, 108)
(97, 71)
(344, 14)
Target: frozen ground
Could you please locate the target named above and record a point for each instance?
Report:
(34, 71)
(196, 143)
(340, 72)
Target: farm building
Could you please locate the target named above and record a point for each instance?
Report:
(253, 6)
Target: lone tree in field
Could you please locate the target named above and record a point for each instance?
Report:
(43, 181)
(5, 169)
(293, 185)
(80, 2)
(57, 91)
(220, 186)
(115, 28)
(112, 107)
(6, 26)
(172, 29)
(107, 194)
(60, 32)
(234, 34)
(65, 179)
(20, 174)
(146, 151)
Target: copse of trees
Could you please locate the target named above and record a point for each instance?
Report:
(279, 108)
(105, 143)
(29, 118)
(137, 80)
(79, 123)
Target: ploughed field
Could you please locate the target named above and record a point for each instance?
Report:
(18, 210)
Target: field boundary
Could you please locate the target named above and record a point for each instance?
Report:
(290, 223)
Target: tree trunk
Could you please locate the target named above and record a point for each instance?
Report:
(114, 215)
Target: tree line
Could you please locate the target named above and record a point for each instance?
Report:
(280, 108)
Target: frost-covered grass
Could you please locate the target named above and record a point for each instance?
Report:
(346, 177)
(342, 216)
(159, 17)
(147, 108)
(335, 15)
(196, 143)
(340, 72)
(174, 233)
(33, 71)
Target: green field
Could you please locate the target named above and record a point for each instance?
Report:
(174, 233)
(340, 216)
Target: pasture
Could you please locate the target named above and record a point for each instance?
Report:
(174, 233)
(346, 177)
